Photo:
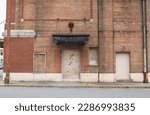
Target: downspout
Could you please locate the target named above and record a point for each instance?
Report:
(98, 37)
(144, 30)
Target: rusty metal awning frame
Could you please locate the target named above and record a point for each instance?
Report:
(70, 38)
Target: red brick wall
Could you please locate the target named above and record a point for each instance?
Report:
(148, 35)
(44, 29)
(21, 55)
(84, 60)
(120, 31)
(12, 12)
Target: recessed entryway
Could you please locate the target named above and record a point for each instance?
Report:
(122, 66)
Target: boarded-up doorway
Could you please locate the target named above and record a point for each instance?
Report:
(39, 63)
(122, 66)
(71, 64)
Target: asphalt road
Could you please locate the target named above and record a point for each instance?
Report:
(41, 92)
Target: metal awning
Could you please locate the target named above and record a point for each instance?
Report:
(70, 38)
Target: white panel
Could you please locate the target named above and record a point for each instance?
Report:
(122, 66)
(48, 77)
(89, 77)
(137, 77)
(34, 77)
(21, 33)
(71, 64)
(107, 77)
(21, 76)
(149, 77)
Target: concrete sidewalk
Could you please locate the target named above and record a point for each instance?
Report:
(75, 85)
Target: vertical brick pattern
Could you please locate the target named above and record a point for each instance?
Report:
(121, 32)
(148, 35)
(84, 60)
(106, 36)
(57, 60)
(127, 31)
(12, 12)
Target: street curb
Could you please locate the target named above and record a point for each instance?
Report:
(75, 85)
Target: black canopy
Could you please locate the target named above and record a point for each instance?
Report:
(70, 38)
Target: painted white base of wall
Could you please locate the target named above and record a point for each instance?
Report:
(84, 77)
(47, 77)
(137, 77)
(93, 77)
(149, 77)
(107, 77)
(34, 77)
(89, 77)
(71, 80)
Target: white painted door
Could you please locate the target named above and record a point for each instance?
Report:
(122, 66)
(71, 64)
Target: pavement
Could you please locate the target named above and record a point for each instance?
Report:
(74, 84)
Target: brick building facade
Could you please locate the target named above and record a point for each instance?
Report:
(76, 40)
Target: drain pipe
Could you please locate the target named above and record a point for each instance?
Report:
(98, 37)
(144, 29)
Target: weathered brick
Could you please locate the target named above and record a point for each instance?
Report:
(120, 31)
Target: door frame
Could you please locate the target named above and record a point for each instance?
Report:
(129, 64)
(64, 48)
(40, 53)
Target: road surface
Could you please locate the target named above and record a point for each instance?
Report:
(42, 92)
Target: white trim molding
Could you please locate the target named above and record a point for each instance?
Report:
(21, 33)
